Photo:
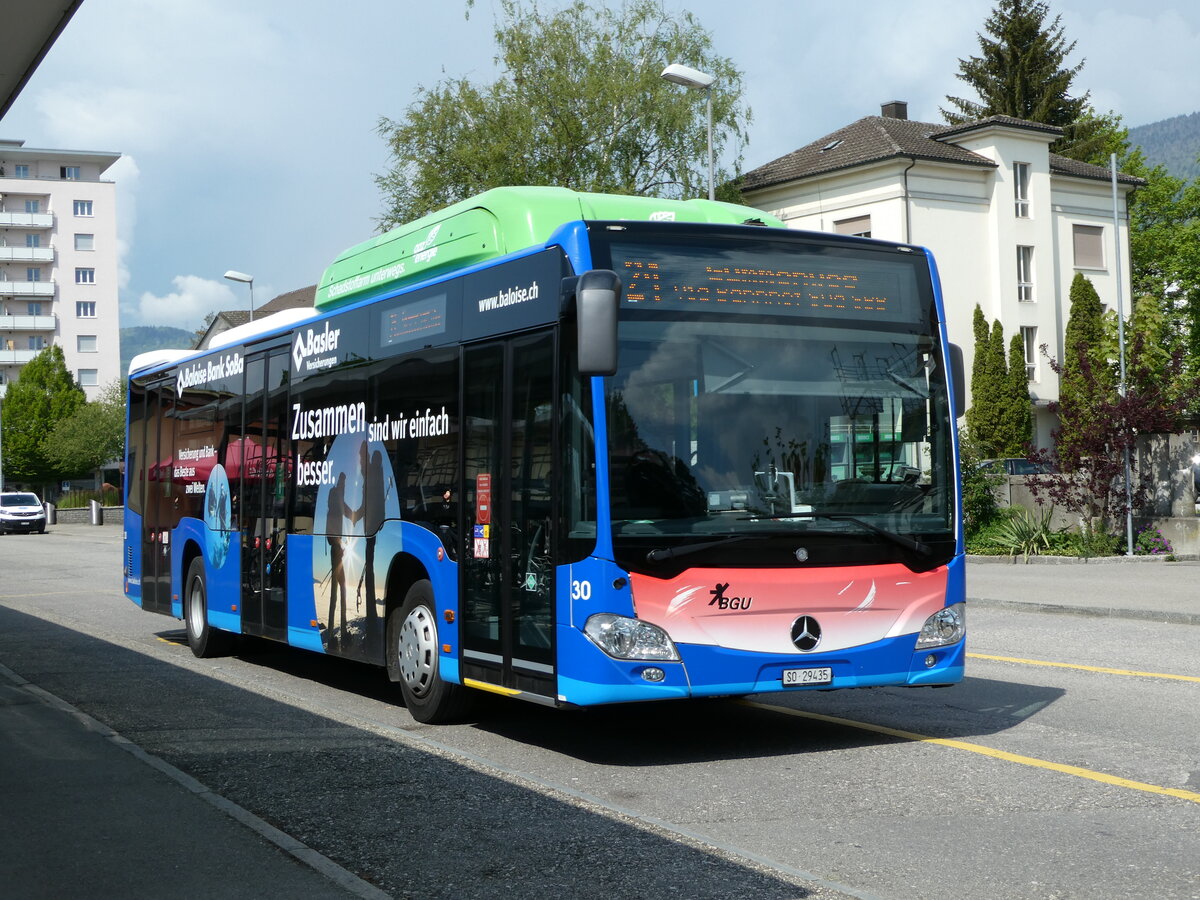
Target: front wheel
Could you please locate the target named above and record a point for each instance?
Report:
(412, 658)
(204, 640)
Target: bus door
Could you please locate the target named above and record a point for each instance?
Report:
(508, 580)
(157, 513)
(264, 450)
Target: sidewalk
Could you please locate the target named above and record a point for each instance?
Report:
(86, 812)
(1140, 587)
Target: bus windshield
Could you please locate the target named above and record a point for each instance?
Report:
(777, 386)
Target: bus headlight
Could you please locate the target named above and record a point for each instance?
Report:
(944, 627)
(625, 638)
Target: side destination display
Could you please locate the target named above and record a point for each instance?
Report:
(493, 224)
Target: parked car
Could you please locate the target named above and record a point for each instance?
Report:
(22, 511)
(1016, 466)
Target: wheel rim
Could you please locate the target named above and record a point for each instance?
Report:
(195, 610)
(418, 651)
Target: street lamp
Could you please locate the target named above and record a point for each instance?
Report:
(245, 279)
(693, 78)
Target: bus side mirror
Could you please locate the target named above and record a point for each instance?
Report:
(958, 380)
(597, 297)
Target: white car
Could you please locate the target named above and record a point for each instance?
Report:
(20, 511)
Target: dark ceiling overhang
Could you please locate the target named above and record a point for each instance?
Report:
(28, 29)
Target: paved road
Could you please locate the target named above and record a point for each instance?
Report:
(885, 793)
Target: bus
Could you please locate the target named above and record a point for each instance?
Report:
(575, 449)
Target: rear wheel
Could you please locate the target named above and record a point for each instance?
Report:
(204, 640)
(412, 658)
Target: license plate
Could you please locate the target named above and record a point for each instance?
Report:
(795, 677)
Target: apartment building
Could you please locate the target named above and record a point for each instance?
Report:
(58, 262)
(1009, 222)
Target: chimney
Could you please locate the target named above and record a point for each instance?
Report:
(895, 109)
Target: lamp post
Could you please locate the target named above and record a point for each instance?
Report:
(245, 279)
(693, 78)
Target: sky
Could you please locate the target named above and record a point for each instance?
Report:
(247, 128)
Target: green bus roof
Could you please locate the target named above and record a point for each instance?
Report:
(495, 223)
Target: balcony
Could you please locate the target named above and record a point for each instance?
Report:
(28, 323)
(26, 288)
(26, 254)
(17, 357)
(26, 220)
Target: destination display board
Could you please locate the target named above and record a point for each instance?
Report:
(773, 278)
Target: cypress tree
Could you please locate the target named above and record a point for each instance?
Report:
(1086, 379)
(1017, 417)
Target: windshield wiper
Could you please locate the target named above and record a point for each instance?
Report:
(903, 540)
(660, 554)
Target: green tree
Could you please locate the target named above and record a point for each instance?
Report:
(1086, 379)
(989, 375)
(44, 395)
(92, 436)
(1023, 72)
(1164, 232)
(579, 104)
(1016, 415)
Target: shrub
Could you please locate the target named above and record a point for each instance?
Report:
(1150, 541)
(80, 499)
(1026, 533)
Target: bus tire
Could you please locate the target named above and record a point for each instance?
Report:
(204, 640)
(412, 658)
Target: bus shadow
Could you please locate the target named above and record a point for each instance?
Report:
(769, 725)
(693, 731)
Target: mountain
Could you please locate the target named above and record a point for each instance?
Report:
(1173, 142)
(143, 338)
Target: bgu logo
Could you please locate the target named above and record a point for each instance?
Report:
(720, 601)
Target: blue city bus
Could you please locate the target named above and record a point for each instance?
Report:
(574, 449)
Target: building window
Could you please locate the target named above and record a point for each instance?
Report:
(85, 343)
(20, 171)
(32, 206)
(33, 273)
(69, 173)
(33, 240)
(1089, 246)
(83, 207)
(85, 309)
(1021, 189)
(85, 276)
(1029, 338)
(859, 226)
(33, 309)
(89, 377)
(37, 342)
(85, 242)
(1025, 274)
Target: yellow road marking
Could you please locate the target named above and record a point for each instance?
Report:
(1033, 761)
(1059, 665)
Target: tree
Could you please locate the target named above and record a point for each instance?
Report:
(1164, 231)
(1016, 415)
(92, 436)
(1022, 72)
(44, 395)
(1086, 380)
(999, 419)
(579, 103)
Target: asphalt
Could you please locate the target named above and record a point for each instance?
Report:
(85, 811)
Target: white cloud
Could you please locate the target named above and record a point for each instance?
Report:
(193, 299)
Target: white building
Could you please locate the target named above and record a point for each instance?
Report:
(58, 262)
(1008, 222)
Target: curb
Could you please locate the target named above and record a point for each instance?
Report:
(1110, 612)
(1079, 560)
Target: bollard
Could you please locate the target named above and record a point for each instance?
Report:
(97, 513)
(51, 513)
